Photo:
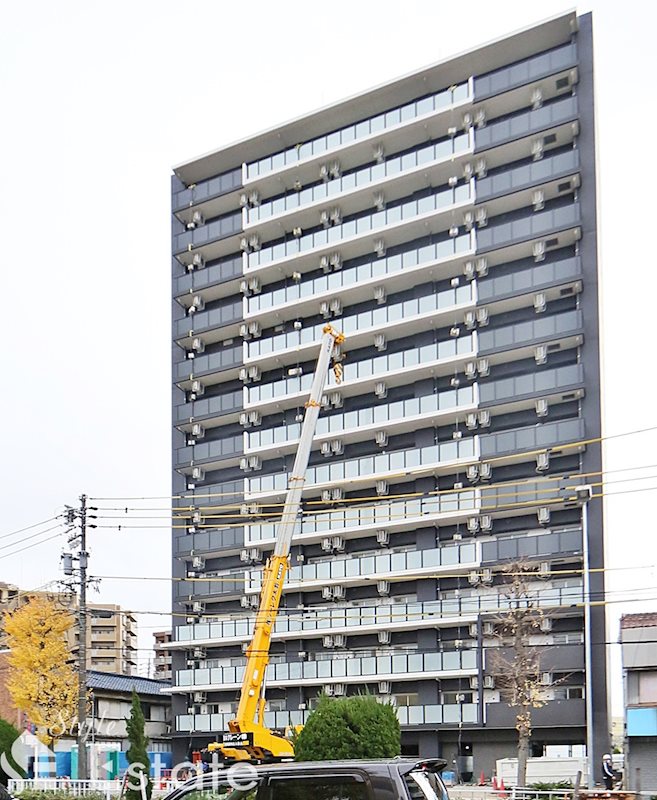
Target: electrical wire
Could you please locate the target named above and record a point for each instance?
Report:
(34, 544)
(28, 527)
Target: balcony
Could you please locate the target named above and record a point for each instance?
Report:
(408, 716)
(397, 224)
(554, 715)
(361, 425)
(226, 358)
(549, 435)
(219, 449)
(382, 127)
(400, 465)
(524, 72)
(568, 324)
(357, 521)
(556, 544)
(393, 271)
(553, 273)
(217, 406)
(528, 175)
(362, 619)
(359, 570)
(207, 190)
(226, 314)
(526, 124)
(360, 376)
(207, 588)
(212, 496)
(396, 176)
(535, 226)
(348, 669)
(199, 280)
(435, 309)
(208, 542)
(548, 382)
(220, 228)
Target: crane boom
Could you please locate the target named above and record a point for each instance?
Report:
(249, 739)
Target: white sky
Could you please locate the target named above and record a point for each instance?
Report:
(100, 100)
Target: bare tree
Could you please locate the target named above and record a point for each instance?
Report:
(516, 664)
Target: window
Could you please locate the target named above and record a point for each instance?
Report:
(343, 787)
(222, 792)
(648, 687)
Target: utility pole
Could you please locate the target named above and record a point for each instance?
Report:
(79, 583)
(83, 772)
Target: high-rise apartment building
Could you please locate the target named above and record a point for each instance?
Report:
(162, 660)
(446, 222)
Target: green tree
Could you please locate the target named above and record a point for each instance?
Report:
(349, 727)
(137, 755)
(8, 735)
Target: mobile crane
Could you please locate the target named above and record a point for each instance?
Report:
(247, 738)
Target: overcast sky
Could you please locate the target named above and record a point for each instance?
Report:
(100, 100)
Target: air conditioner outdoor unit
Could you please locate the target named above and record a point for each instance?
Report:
(328, 690)
(197, 262)
(481, 215)
(471, 421)
(337, 447)
(483, 367)
(327, 544)
(546, 678)
(255, 286)
(468, 171)
(324, 172)
(380, 294)
(255, 418)
(327, 641)
(198, 345)
(244, 555)
(379, 153)
(381, 438)
(380, 342)
(468, 220)
(540, 354)
(543, 515)
(244, 602)
(382, 487)
(487, 576)
(338, 544)
(470, 370)
(196, 220)
(197, 607)
(385, 687)
(326, 495)
(335, 169)
(325, 220)
(480, 118)
(472, 629)
(537, 149)
(473, 524)
(384, 637)
(546, 624)
(325, 310)
(339, 689)
(255, 463)
(198, 431)
(538, 251)
(540, 302)
(542, 462)
(489, 682)
(470, 320)
(474, 682)
(325, 449)
(198, 562)
(467, 121)
(254, 242)
(339, 593)
(327, 593)
(339, 640)
(383, 588)
(383, 537)
(198, 474)
(199, 652)
(472, 473)
(473, 577)
(486, 522)
(482, 267)
(380, 390)
(469, 270)
(485, 472)
(379, 201)
(325, 264)
(481, 168)
(536, 98)
(254, 373)
(487, 628)
(483, 317)
(335, 214)
(254, 329)
(538, 200)
(542, 407)
(544, 569)
(197, 304)
(335, 398)
(335, 260)
(197, 388)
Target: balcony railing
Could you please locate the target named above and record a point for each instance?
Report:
(220, 404)
(210, 362)
(382, 463)
(207, 541)
(548, 381)
(379, 515)
(220, 448)
(213, 318)
(380, 414)
(367, 368)
(360, 323)
(279, 720)
(528, 280)
(412, 562)
(538, 224)
(378, 221)
(352, 276)
(514, 180)
(360, 130)
(359, 670)
(291, 623)
(207, 189)
(226, 269)
(547, 327)
(520, 125)
(220, 228)
(533, 438)
(392, 167)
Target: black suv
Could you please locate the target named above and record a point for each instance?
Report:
(386, 779)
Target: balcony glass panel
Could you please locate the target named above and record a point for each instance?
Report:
(538, 224)
(523, 332)
(336, 472)
(215, 229)
(381, 220)
(525, 71)
(525, 124)
(358, 130)
(393, 166)
(358, 323)
(207, 189)
(213, 318)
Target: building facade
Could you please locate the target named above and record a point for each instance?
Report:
(446, 223)
(162, 660)
(638, 635)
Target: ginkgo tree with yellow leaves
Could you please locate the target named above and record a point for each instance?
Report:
(42, 682)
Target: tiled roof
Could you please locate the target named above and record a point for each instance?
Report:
(125, 683)
(647, 620)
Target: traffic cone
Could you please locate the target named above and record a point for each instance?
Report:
(482, 779)
(494, 783)
(502, 788)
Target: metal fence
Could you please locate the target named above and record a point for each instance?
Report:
(111, 789)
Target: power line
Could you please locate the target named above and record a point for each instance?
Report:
(30, 546)
(28, 527)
